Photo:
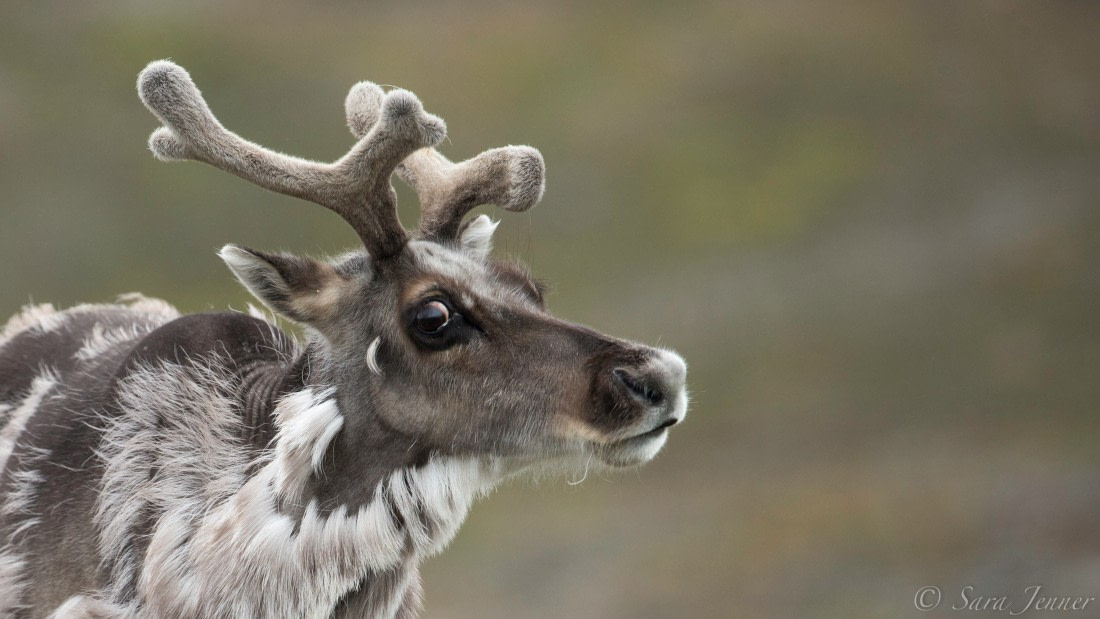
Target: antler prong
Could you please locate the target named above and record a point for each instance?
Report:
(356, 186)
(512, 177)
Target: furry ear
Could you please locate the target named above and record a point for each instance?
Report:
(302, 289)
(476, 236)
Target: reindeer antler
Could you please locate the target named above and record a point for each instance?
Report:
(512, 177)
(356, 186)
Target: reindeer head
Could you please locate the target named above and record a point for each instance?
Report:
(427, 339)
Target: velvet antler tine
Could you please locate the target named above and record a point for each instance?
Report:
(362, 107)
(512, 177)
(356, 186)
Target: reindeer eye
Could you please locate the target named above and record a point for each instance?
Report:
(432, 317)
(435, 324)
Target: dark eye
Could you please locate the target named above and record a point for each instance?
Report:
(432, 317)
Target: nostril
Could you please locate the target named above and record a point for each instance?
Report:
(640, 388)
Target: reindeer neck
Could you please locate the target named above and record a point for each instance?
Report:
(354, 465)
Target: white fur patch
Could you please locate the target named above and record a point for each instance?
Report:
(42, 317)
(372, 356)
(260, 314)
(16, 511)
(11, 582)
(23, 486)
(45, 318)
(85, 607)
(435, 498)
(21, 413)
(307, 421)
(149, 305)
(253, 273)
(477, 237)
(102, 340)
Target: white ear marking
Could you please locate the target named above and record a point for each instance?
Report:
(477, 238)
(254, 273)
(372, 356)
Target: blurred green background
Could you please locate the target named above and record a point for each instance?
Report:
(871, 228)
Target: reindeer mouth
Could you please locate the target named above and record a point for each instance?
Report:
(654, 433)
(637, 449)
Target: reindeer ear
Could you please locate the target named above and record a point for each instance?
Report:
(476, 236)
(302, 289)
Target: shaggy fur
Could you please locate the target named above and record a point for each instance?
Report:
(88, 333)
(221, 500)
(212, 507)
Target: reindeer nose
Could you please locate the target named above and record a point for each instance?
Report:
(655, 383)
(645, 389)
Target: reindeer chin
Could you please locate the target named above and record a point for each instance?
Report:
(633, 451)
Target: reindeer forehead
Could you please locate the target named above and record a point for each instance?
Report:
(475, 281)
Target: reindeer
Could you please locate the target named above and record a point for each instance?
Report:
(210, 465)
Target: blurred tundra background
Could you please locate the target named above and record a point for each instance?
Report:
(871, 228)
